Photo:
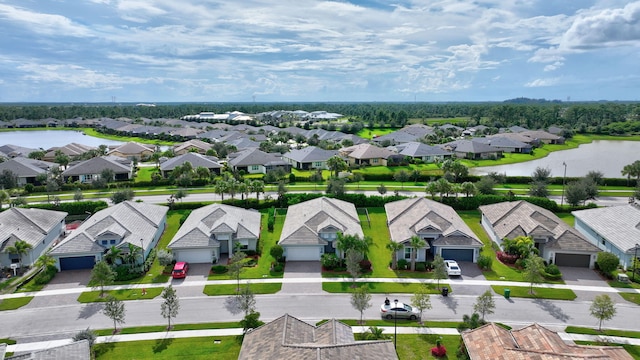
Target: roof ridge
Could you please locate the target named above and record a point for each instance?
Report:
(417, 199)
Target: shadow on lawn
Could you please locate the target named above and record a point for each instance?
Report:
(161, 345)
(102, 349)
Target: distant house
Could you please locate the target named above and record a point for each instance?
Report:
(423, 152)
(506, 144)
(366, 155)
(27, 170)
(16, 151)
(213, 230)
(290, 338)
(444, 232)
(198, 146)
(472, 150)
(195, 159)
(136, 223)
(615, 229)
(543, 136)
(72, 150)
(309, 158)
(311, 228)
(39, 228)
(396, 137)
(256, 161)
(90, 170)
(132, 150)
(557, 242)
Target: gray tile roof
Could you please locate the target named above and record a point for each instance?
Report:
(305, 220)
(310, 154)
(15, 150)
(132, 148)
(196, 231)
(199, 144)
(289, 338)
(620, 225)
(196, 160)
(468, 146)
(96, 165)
(72, 149)
(30, 225)
(366, 151)
(78, 350)
(136, 220)
(408, 217)
(254, 156)
(25, 167)
(502, 142)
(415, 149)
(397, 137)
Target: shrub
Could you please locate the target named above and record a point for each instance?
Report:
(607, 263)
(276, 251)
(402, 264)
(251, 252)
(506, 258)
(219, 269)
(549, 276)
(278, 268)
(164, 257)
(365, 265)
(73, 208)
(184, 217)
(330, 261)
(552, 269)
(125, 273)
(439, 351)
(484, 262)
(420, 266)
(46, 275)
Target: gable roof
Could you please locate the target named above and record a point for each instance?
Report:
(620, 225)
(97, 164)
(289, 338)
(415, 148)
(254, 156)
(468, 146)
(492, 342)
(523, 218)
(132, 148)
(310, 154)
(199, 144)
(405, 218)
(305, 220)
(31, 225)
(15, 150)
(72, 149)
(195, 159)
(367, 151)
(203, 222)
(25, 167)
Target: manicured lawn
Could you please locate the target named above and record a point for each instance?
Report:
(538, 293)
(634, 298)
(95, 133)
(608, 332)
(379, 255)
(217, 290)
(401, 322)
(7, 341)
(144, 173)
(380, 288)
(567, 217)
(126, 294)
(176, 327)
(221, 347)
(15, 303)
(418, 347)
(369, 132)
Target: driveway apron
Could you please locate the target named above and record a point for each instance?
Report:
(586, 277)
(302, 270)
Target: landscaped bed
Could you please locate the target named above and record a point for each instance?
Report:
(538, 292)
(218, 290)
(381, 288)
(125, 294)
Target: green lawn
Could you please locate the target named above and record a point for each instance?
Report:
(176, 327)
(417, 347)
(634, 298)
(217, 290)
(219, 347)
(538, 292)
(379, 234)
(380, 288)
(126, 294)
(14, 303)
(144, 173)
(608, 332)
(401, 322)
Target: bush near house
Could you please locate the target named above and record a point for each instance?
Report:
(506, 258)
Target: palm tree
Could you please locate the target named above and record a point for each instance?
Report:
(44, 261)
(431, 189)
(376, 333)
(221, 188)
(257, 186)
(416, 243)
(336, 164)
(394, 247)
(132, 255)
(112, 255)
(20, 248)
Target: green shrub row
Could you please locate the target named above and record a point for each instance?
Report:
(73, 208)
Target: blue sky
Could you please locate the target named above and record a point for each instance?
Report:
(307, 50)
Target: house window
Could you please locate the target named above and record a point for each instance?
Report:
(112, 242)
(317, 164)
(375, 161)
(105, 242)
(407, 253)
(604, 242)
(255, 167)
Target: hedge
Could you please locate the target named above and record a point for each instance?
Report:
(73, 208)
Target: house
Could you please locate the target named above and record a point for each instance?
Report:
(309, 158)
(132, 150)
(557, 242)
(366, 155)
(472, 150)
(38, 227)
(615, 229)
(14, 150)
(76, 350)
(195, 159)
(533, 342)
(27, 170)
(506, 144)
(213, 230)
(89, 170)
(72, 150)
(128, 222)
(543, 136)
(444, 232)
(290, 338)
(256, 161)
(396, 137)
(311, 228)
(423, 152)
(198, 146)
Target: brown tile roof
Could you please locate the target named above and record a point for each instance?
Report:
(492, 342)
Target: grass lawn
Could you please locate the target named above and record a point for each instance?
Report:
(15, 303)
(368, 133)
(567, 217)
(380, 288)
(634, 298)
(633, 350)
(144, 173)
(216, 290)
(7, 341)
(176, 327)
(608, 332)
(220, 347)
(538, 293)
(125, 294)
(95, 133)
(417, 347)
(379, 255)
(401, 322)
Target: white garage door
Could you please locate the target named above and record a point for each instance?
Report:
(303, 253)
(194, 256)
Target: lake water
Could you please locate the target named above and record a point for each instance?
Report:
(607, 156)
(46, 139)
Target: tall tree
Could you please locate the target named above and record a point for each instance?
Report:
(336, 164)
(602, 308)
(416, 244)
(444, 187)
(170, 304)
(114, 310)
(484, 304)
(361, 300)
(122, 195)
(102, 275)
(421, 300)
(394, 247)
(431, 189)
(439, 269)
(4, 197)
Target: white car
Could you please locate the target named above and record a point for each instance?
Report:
(452, 268)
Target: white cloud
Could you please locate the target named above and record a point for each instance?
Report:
(543, 82)
(47, 24)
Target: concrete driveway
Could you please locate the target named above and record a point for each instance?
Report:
(470, 271)
(586, 277)
(197, 272)
(69, 278)
(300, 270)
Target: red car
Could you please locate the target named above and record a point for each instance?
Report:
(180, 270)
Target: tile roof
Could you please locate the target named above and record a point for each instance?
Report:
(310, 154)
(254, 156)
(204, 146)
(408, 217)
(620, 225)
(97, 164)
(132, 148)
(25, 167)
(414, 149)
(304, 221)
(196, 231)
(77, 350)
(468, 146)
(289, 338)
(533, 342)
(72, 149)
(195, 159)
(31, 225)
(15, 150)
(366, 151)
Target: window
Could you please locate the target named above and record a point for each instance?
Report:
(407, 253)
(255, 167)
(105, 242)
(317, 164)
(112, 242)
(375, 161)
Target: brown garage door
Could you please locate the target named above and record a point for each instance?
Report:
(575, 260)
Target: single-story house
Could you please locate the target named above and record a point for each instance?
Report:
(256, 161)
(128, 222)
(444, 232)
(473, 150)
(132, 150)
(543, 136)
(14, 150)
(290, 338)
(366, 154)
(38, 227)
(396, 137)
(311, 228)
(309, 158)
(557, 242)
(213, 230)
(420, 151)
(533, 342)
(27, 170)
(196, 160)
(615, 229)
(506, 144)
(194, 145)
(89, 170)
(72, 150)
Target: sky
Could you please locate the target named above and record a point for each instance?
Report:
(318, 51)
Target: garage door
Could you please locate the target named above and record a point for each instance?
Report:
(77, 262)
(198, 256)
(457, 254)
(307, 253)
(575, 260)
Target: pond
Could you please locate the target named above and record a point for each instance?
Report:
(607, 156)
(46, 139)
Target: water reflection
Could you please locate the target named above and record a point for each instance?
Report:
(46, 139)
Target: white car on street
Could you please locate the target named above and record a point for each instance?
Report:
(452, 268)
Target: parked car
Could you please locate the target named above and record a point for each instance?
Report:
(180, 270)
(452, 268)
(400, 310)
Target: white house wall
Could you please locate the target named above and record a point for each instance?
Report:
(488, 228)
(605, 245)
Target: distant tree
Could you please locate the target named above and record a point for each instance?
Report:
(19, 248)
(402, 177)
(470, 322)
(357, 178)
(62, 159)
(394, 247)
(539, 189)
(541, 174)
(533, 271)
(421, 300)
(121, 195)
(51, 187)
(336, 187)
(484, 304)
(361, 300)
(170, 304)
(180, 194)
(78, 195)
(4, 197)
(632, 170)
(352, 260)
(439, 269)
(431, 189)
(468, 188)
(316, 177)
(455, 168)
(257, 186)
(575, 193)
(202, 172)
(8, 179)
(602, 308)
(88, 335)
(596, 176)
(444, 187)
(282, 190)
(114, 310)
(102, 275)
(486, 185)
(416, 244)
(415, 175)
(382, 189)
(38, 155)
(107, 175)
(336, 164)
